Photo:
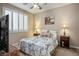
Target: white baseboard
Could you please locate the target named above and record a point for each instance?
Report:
(74, 47)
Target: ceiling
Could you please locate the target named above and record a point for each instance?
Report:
(36, 10)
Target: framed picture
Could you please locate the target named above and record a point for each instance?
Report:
(49, 20)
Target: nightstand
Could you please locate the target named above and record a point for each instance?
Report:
(36, 34)
(64, 41)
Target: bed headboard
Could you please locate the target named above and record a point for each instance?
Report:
(51, 31)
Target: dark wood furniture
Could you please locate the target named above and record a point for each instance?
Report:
(4, 36)
(64, 41)
(36, 34)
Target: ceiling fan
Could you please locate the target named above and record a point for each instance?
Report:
(35, 5)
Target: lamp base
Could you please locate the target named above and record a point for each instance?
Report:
(64, 34)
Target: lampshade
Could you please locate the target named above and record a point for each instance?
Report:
(37, 29)
(65, 29)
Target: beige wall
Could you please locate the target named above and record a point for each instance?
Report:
(15, 37)
(68, 15)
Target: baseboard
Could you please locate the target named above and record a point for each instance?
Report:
(74, 47)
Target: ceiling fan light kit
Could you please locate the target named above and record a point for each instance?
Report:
(36, 6)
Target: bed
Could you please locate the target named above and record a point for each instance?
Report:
(40, 45)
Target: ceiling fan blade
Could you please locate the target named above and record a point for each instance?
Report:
(45, 3)
(25, 3)
(31, 7)
(39, 7)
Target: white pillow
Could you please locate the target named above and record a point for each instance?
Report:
(54, 34)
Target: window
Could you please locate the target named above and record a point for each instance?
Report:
(15, 21)
(18, 21)
(25, 23)
(7, 12)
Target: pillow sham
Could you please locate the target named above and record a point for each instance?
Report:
(46, 34)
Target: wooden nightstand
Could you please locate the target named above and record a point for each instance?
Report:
(64, 41)
(35, 34)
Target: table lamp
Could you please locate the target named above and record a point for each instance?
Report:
(65, 28)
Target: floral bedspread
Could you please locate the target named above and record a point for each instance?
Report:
(38, 46)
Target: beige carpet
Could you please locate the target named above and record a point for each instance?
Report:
(67, 52)
(63, 52)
